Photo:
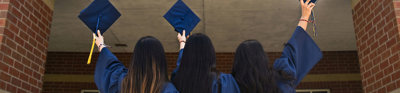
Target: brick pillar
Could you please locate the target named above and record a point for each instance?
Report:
(378, 42)
(24, 32)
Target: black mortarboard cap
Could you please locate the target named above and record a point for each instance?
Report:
(99, 15)
(182, 18)
(312, 1)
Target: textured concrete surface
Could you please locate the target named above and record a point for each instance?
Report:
(226, 22)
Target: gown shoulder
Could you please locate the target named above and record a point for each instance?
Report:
(109, 72)
(299, 56)
(169, 88)
(225, 83)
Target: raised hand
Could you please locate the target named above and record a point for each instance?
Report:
(306, 8)
(99, 40)
(182, 39)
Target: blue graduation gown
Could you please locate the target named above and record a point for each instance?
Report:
(227, 83)
(298, 58)
(110, 72)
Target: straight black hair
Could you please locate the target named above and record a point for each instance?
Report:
(147, 72)
(197, 70)
(251, 69)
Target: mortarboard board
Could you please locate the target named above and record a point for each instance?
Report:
(181, 17)
(99, 15)
(311, 1)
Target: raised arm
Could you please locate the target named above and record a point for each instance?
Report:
(109, 71)
(305, 13)
(182, 40)
(299, 56)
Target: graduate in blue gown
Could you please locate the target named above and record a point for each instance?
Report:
(299, 56)
(147, 72)
(196, 68)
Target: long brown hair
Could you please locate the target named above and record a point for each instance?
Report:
(252, 71)
(147, 72)
(197, 69)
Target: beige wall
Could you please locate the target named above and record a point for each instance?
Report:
(354, 2)
(49, 3)
(226, 22)
(396, 91)
(3, 91)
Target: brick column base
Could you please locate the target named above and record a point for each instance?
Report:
(378, 41)
(24, 32)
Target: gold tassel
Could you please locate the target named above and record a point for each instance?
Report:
(314, 23)
(91, 51)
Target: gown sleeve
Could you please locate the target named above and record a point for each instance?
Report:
(228, 84)
(299, 56)
(109, 72)
(225, 84)
(169, 88)
(178, 62)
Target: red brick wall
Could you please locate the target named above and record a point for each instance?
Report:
(334, 87)
(378, 42)
(67, 87)
(24, 31)
(334, 62)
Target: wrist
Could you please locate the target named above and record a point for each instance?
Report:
(308, 21)
(182, 45)
(182, 41)
(101, 46)
(304, 17)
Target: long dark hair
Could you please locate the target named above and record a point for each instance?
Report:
(197, 69)
(147, 72)
(251, 70)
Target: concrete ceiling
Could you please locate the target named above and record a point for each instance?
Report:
(226, 22)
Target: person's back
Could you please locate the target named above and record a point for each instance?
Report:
(251, 70)
(147, 72)
(196, 71)
(299, 55)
